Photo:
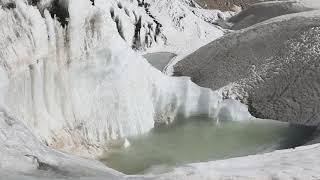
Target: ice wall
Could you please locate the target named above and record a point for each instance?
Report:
(76, 87)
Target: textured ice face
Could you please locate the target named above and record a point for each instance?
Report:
(3, 83)
(80, 86)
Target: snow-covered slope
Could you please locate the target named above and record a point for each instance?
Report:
(151, 25)
(22, 153)
(186, 28)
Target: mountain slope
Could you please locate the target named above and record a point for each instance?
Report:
(271, 66)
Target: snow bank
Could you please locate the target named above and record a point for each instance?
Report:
(299, 163)
(22, 154)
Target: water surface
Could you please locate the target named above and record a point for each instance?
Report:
(200, 139)
(159, 60)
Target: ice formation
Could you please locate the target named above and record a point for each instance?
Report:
(74, 87)
(78, 86)
(151, 25)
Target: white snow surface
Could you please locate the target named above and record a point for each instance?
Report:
(185, 27)
(300, 163)
(182, 28)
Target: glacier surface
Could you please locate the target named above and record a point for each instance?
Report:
(78, 86)
(73, 88)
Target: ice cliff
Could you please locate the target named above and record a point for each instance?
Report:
(76, 83)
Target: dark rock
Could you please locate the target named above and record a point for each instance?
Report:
(10, 5)
(59, 11)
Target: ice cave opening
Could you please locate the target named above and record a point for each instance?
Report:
(201, 139)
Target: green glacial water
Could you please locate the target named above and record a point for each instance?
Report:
(200, 139)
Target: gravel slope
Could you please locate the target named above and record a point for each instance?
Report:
(272, 66)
